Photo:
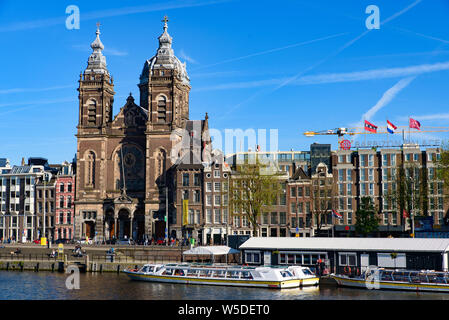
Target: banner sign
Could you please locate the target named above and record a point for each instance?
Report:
(423, 223)
(185, 212)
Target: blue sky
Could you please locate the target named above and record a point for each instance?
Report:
(289, 65)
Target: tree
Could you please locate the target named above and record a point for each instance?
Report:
(408, 191)
(442, 165)
(367, 220)
(254, 188)
(322, 196)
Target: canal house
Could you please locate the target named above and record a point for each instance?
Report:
(346, 254)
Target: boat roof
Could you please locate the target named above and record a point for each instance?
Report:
(347, 244)
(211, 250)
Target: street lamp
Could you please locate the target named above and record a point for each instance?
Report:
(412, 213)
(166, 216)
(44, 178)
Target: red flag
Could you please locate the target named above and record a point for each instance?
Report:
(370, 127)
(414, 124)
(405, 214)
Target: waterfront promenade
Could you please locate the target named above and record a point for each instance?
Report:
(94, 258)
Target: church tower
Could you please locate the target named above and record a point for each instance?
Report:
(96, 92)
(164, 93)
(96, 96)
(164, 87)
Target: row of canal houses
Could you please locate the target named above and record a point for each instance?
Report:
(32, 192)
(342, 177)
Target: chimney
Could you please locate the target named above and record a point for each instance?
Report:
(23, 161)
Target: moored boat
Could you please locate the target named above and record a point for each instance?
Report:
(305, 276)
(262, 277)
(379, 278)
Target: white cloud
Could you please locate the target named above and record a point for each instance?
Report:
(184, 56)
(373, 74)
(27, 25)
(23, 90)
(386, 98)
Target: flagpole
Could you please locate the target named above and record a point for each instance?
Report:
(387, 131)
(409, 137)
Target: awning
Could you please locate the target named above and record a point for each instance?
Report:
(211, 250)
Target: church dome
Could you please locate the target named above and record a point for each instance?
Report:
(165, 59)
(97, 61)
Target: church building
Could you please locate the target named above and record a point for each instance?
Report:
(126, 163)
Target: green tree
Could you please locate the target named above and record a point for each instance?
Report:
(322, 197)
(253, 190)
(442, 164)
(408, 190)
(367, 219)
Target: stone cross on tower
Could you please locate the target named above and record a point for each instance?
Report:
(165, 21)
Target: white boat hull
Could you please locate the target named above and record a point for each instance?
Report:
(213, 281)
(393, 285)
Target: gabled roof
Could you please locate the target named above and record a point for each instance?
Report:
(134, 109)
(348, 244)
(300, 175)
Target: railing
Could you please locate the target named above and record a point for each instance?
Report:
(136, 259)
(29, 257)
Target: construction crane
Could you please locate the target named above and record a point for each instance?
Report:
(342, 132)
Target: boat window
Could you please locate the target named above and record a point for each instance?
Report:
(291, 258)
(232, 274)
(179, 272)
(246, 275)
(220, 273)
(157, 269)
(423, 277)
(203, 273)
(145, 269)
(209, 273)
(307, 272)
(168, 272)
(192, 272)
(286, 274)
(314, 258)
(400, 276)
(298, 259)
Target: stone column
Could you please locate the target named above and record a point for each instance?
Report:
(131, 226)
(148, 222)
(115, 222)
(99, 227)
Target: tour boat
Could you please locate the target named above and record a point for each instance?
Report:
(305, 276)
(263, 277)
(397, 279)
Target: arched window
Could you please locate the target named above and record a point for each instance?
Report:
(90, 169)
(161, 109)
(91, 112)
(160, 166)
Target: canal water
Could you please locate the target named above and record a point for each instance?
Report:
(15, 285)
